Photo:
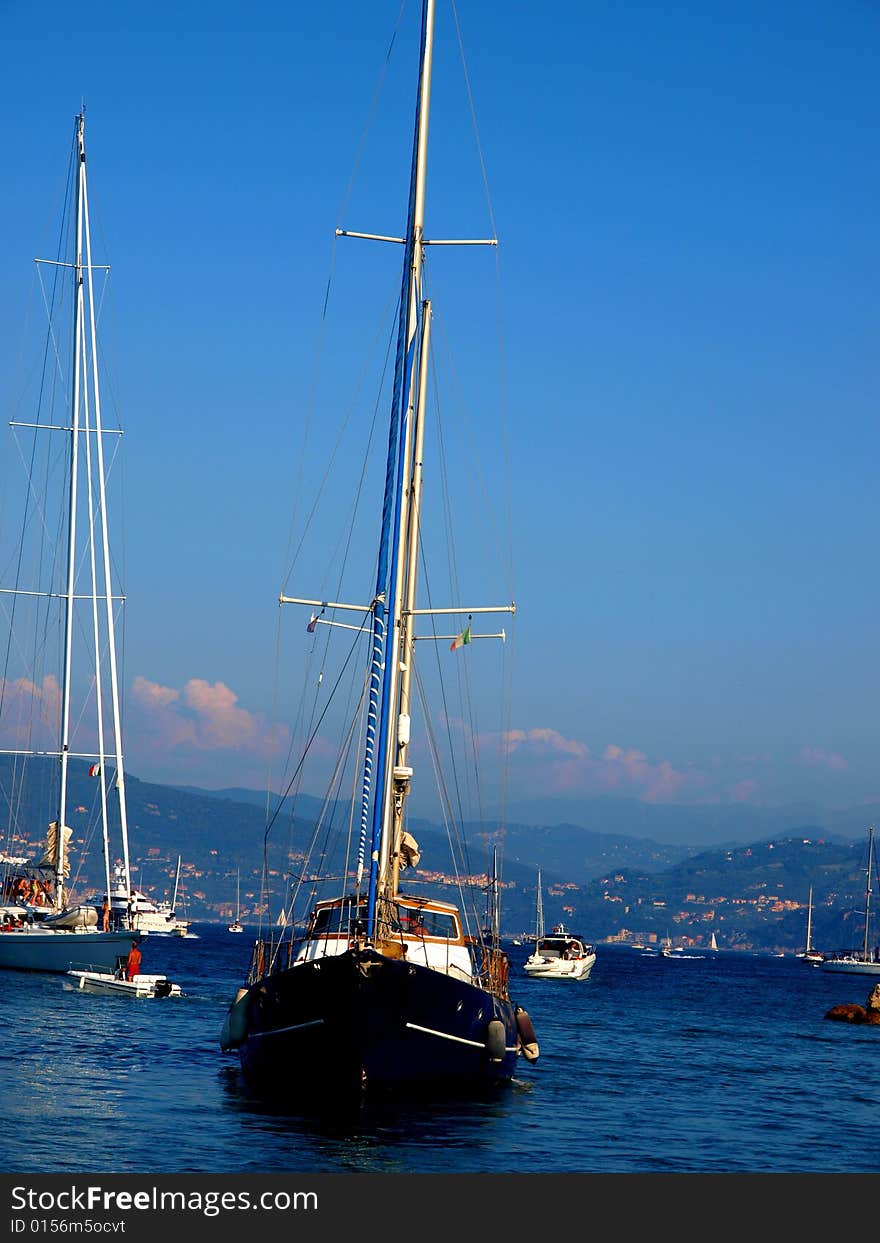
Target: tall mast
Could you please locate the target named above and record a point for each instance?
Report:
(176, 882)
(810, 920)
(105, 549)
(868, 889)
(71, 513)
(384, 671)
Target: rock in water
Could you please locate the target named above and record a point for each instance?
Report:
(851, 1013)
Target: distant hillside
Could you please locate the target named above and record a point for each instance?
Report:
(606, 883)
(694, 826)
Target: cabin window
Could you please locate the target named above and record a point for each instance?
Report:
(426, 923)
(330, 919)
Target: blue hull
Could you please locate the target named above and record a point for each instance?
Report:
(41, 949)
(362, 1023)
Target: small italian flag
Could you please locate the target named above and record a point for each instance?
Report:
(95, 770)
(461, 639)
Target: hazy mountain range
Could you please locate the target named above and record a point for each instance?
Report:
(623, 864)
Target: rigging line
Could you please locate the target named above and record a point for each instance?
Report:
(56, 281)
(461, 671)
(505, 429)
(473, 112)
(318, 685)
(359, 489)
(319, 349)
(342, 753)
(457, 842)
(302, 759)
(442, 682)
(454, 836)
(371, 112)
(329, 800)
(332, 796)
(355, 780)
(474, 457)
(291, 561)
(363, 474)
(507, 660)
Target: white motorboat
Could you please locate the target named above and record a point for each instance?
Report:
(130, 908)
(110, 984)
(668, 950)
(559, 955)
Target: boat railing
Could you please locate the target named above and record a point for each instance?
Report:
(495, 971)
(270, 954)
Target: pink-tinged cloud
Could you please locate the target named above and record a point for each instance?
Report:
(566, 766)
(813, 757)
(31, 711)
(548, 738)
(201, 716)
(152, 695)
(744, 791)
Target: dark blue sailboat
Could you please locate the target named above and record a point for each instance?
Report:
(387, 991)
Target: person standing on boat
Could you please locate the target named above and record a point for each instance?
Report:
(133, 962)
(105, 916)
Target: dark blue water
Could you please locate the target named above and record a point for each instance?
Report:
(721, 1064)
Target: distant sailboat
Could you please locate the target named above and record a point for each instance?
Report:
(866, 962)
(811, 955)
(235, 926)
(713, 944)
(42, 928)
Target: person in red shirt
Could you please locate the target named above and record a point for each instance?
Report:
(133, 962)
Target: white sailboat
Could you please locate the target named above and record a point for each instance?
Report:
(44, 930)
(389, 989)
(713, 943)
(809, 953)
(559, 956)
(865, 961)
(235, 926)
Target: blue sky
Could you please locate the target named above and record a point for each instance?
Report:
(686, 200)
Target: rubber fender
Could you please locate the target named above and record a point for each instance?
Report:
(528, 1041)
(234, 1028)
(496, 1040)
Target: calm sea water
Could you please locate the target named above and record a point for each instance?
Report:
(712, 1065)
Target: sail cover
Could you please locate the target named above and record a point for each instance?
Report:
(409, 851)
(51, 855)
